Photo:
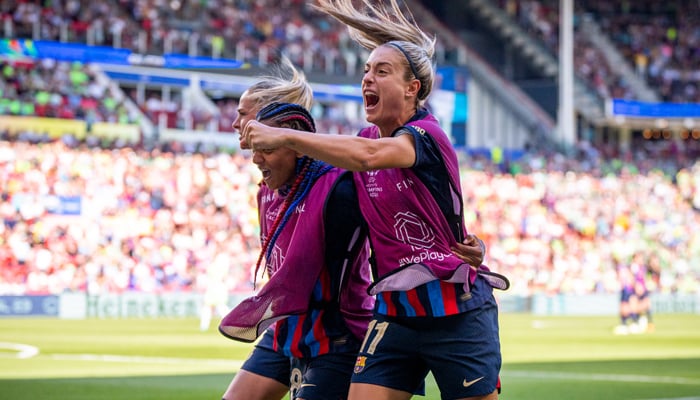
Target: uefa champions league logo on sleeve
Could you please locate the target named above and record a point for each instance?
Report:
(373, 188)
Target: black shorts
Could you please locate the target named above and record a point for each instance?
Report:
(326, 377)
(462, 351)
(263, 360)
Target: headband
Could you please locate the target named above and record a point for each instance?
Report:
(410, 62)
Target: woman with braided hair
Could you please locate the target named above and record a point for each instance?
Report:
(314, 309)
(435, 312)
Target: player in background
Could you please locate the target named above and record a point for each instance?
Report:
(635, 301)
(216, 290)
(653, 283)
(628, 300)
(642, 307)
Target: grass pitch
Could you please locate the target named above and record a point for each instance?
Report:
(143, 359)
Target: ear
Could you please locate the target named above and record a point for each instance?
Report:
(413, 88)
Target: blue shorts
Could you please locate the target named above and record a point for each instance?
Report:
(462, 351)
(326, 377)
(267, 362)
(320, 378)
(626, 295)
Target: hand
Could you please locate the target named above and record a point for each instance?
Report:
(242, 143)
(258, 136)
(472, 250)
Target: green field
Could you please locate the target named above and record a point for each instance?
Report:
(544, 358)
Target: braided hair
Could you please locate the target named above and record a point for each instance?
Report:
(308, 170)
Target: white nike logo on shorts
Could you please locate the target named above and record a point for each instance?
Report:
(467, 384)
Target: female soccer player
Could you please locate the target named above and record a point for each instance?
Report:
(314, 249)
(434, 312)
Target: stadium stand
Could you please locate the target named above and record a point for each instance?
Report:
(658, 39)
(152, 221)
(569, 218)
(80, 218)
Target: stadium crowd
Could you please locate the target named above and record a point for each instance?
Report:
(149, 221)
(659, 39)
(153, 220)
(59, 89)
(565, 225)
(47, 88)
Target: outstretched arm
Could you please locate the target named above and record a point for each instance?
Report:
(352, 153)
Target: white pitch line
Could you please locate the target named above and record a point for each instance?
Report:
(676, 398)
(605, 377)
(23, 350)
(145, 360)
(27, 351)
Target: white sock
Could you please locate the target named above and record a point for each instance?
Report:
(205, 318)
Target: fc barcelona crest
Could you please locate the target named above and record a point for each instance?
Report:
(360, 364)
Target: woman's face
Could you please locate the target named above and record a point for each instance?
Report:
(278, 166)
(388, 98)
(247, 110)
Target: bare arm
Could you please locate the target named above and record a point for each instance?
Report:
(348, 152)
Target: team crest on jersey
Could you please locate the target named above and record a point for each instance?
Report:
(360, 364)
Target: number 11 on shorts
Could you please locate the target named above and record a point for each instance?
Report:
(376, 331)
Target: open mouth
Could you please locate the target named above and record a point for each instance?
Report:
(265, 173)
(371, 100)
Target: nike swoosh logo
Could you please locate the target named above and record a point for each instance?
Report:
(467, 384)
(311, 384)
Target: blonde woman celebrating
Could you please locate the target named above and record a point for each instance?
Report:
(434, 312)
(313, 237)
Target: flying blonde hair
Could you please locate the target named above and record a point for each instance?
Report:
(286, 84)
(381, 24)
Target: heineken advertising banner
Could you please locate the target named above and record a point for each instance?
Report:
(188, 305)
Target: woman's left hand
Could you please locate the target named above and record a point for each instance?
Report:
(472, 250)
